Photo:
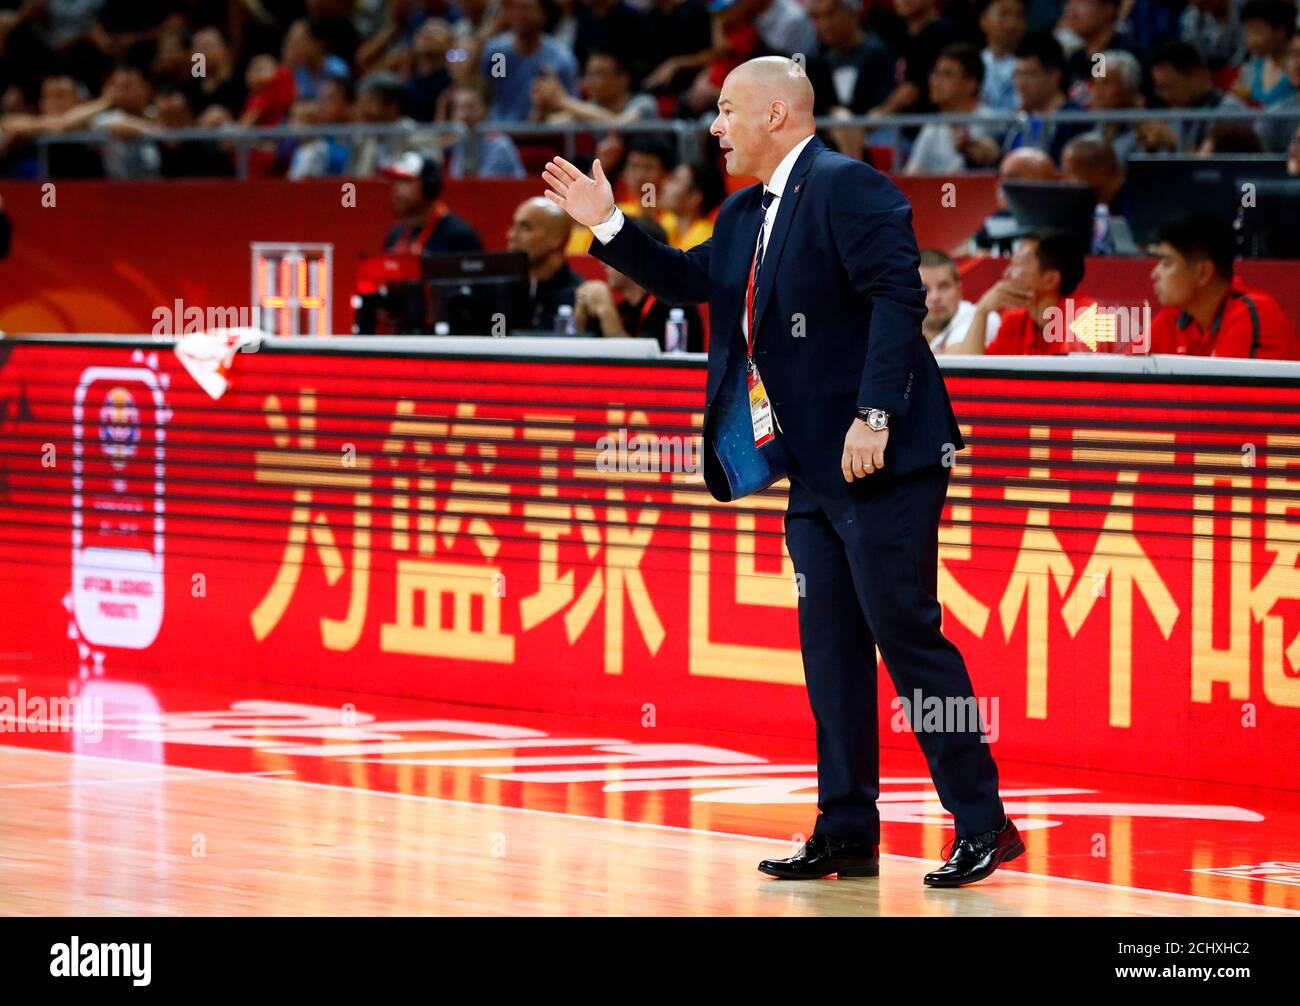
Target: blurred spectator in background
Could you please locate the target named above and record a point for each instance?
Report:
(1267, 26)
(997, 234)
(481, 154)
(677, 34)
(307, 56)
(1276, 128)
(430, 76)
(333, 21)
(608, 86)
(916, 34)
(63, 108)
(947, 314)
(325, 156)
(219, 84)
(1120, 87)
(1095, 22)
(610, 26)
(1004, 26)
(692, 194)
(647, 163)
(512, 61)
(541, 230)
(743, 29)
(127, 155)
(270, 92)
(954, 88)
(1040, 78)
(1207, 311)
(379, 103)
(1215, 29)
(1036, 297)
(848, 68)
(639, 314)
(1091, 161)
(1180, 79)
(186, 158)
(426, 224)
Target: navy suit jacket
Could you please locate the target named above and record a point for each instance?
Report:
(837, 316)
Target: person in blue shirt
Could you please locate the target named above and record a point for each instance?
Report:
(513, 60)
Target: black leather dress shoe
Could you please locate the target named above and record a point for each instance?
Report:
(823, 855)
(975, 857)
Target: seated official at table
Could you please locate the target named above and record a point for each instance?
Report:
(639, 313)
(1036, 299)
(427, 227)
(1207, 310)
(541, 230)
(947, 314)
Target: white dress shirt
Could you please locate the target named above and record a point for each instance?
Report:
(606, 230)
(955, 331)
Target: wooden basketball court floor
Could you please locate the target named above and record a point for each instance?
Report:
(258, 801)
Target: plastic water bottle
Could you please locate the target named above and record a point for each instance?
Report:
(564, 320)
(1101, 241)
(675, 331)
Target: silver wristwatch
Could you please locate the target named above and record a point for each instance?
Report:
(877, 419)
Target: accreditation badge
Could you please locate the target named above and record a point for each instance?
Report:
(760, 409)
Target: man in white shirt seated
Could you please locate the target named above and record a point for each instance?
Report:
(948, 317)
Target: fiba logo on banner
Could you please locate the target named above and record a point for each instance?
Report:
(118, 420)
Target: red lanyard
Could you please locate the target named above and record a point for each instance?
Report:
(645, 309)
(420, 240)
(749, 306)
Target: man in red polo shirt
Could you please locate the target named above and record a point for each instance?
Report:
(1207, 310)
(1035, 298)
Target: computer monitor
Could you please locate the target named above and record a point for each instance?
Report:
(1268, 227)
(464, 293)
(1161, 186)
(1052, 206)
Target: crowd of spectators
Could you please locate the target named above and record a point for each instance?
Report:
(135, 69)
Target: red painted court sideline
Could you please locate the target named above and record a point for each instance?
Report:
(282, 802)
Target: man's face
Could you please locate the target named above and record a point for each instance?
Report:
(174, 111)
(942, 295)
(640, 170)
(1174, 88)
(605, 80)
(1111, 90)
(1035, 84)
(467, 106)
(1175, 279)
(407, 195)
(949, 83)
(741, 126)
(209, 42)
(1004, 24)
(1025, 271)
(533, 232)
(524, 17)
(678, 187)
(1087, 17)
(371, 107)
(58, 94)
(301, 48)
(433, 39)
(261, 69)
(834, 22)
(130, 91)
(332, 104)
(617, 281)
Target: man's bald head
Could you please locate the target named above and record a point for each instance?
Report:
(541, 229)
(764, 109)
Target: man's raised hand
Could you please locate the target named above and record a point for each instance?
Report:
(589, 201)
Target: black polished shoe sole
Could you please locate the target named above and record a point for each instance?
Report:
(1015, 852)
(861, 870)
